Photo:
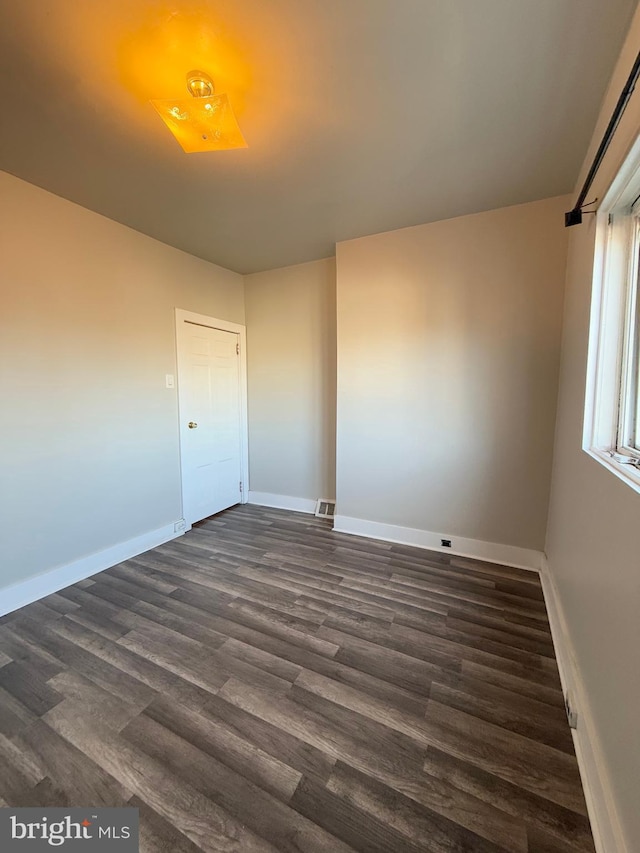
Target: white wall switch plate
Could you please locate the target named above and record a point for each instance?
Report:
(169, 380)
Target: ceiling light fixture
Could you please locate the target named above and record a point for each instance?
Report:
(204, 122)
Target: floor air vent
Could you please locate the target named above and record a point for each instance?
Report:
(325, 509)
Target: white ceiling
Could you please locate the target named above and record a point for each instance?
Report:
(361, 115)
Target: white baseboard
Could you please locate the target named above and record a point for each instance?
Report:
(605, 824)
(25, 592)
(507, 555)
(282, 502)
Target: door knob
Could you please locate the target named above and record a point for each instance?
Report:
(192, 425)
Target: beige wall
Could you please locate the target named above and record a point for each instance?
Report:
(448, 349)
(291, 319)
(594, 520)
(89, 453)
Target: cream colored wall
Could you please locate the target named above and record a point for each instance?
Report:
(89, 453)
(291, 319)
(448, 349)
(594, 519)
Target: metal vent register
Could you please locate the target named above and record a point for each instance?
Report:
(325, 508)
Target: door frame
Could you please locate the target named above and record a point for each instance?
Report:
(181, 318)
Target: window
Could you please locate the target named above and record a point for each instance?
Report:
(629, 425)
(612, 414)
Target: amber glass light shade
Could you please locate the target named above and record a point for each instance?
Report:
(201, 124)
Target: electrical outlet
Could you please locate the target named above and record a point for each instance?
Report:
(446, 543)
(179, 526)
(572, 714)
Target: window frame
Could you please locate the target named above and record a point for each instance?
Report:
(627, 438)
(611, 432)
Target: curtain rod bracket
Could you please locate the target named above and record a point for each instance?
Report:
(574, 217)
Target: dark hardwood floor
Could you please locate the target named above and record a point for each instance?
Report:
(265, 684)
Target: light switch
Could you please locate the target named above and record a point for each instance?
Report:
(170, 381)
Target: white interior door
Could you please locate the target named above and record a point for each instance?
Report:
(210, 419)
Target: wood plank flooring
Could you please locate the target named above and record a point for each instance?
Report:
(266, 684)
